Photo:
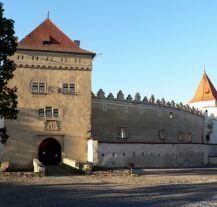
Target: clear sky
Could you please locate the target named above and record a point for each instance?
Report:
(149, 46)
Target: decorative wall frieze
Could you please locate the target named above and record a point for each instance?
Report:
(53, 67)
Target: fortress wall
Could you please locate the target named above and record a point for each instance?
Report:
(144, 121)
(152, 155)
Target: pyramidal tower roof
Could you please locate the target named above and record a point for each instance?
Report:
(205, 91)
(48, 37)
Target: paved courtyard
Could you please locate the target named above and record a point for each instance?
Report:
(114, 188)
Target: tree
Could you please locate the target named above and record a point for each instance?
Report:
(8, 97)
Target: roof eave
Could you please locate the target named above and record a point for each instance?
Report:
(57, 51)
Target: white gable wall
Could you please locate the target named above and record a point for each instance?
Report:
(209, 108)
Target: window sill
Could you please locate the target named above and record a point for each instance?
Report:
(72, 94)
(39, 93)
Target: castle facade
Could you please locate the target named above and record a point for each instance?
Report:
(60, 118)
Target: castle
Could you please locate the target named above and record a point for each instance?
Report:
(61, 118)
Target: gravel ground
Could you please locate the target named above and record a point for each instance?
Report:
(115, 177)
(157, 188)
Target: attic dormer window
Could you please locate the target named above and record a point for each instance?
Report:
(46, 42)
(207, 91)
(49, 40)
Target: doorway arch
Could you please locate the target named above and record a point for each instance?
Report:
(49, 152)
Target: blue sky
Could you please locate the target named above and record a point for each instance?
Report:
(149, 46)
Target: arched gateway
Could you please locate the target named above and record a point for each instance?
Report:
(49, 152)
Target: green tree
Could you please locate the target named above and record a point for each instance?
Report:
(8, 97)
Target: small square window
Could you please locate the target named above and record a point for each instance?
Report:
(41, 112)
(48, 111)
(55, 112)
(65, 88)
(35, 87)
(123, 132)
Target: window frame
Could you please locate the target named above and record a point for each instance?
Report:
(33, 87)
(123, 132)
(55, 112)
(39, 88)
(65, 88)
(41, 111)
(50, 111)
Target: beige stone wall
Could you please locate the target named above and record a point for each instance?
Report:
(27, 132)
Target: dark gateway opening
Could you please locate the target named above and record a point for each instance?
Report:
(49, 152)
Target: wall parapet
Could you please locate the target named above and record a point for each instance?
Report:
(100, 95)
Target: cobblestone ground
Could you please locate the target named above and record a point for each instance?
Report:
(188, 188)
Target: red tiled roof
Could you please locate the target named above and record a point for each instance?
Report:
(48, 37)
(205, 91)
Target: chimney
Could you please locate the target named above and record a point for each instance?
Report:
(77, 42)
(16, 39)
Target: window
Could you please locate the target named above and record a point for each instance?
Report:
(35, 87)
(41, 112)
(55, 112)
(189, 137)
(41, 87)
(181, 136)
(162, 133)
(207, 137)
(69, 89)
(123, 132)
(65, 88)
(48, 111)
(72, 88)
(38, 87)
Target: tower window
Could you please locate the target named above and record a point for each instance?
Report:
(65, 88)
(72, 88)
(41, 112)
(35, 87)
(55, 112)
(48, 111)
(41, 87)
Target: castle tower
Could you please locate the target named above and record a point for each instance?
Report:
(205, 99)
(53, 78)
(206, 94)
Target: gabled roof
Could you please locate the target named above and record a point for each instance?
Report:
(205, 91)
(48, 37)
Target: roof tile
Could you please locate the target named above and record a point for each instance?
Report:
(48, 37)
(205, 91)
